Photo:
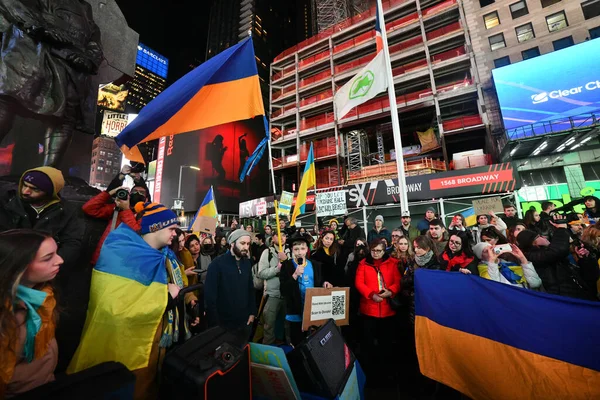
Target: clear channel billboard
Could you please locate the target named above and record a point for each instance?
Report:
(551, 87)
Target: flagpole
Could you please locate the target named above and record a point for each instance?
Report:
(394, 113)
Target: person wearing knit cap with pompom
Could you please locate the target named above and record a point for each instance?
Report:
(133, 315)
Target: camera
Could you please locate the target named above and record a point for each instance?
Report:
(502, 248)
(122, 194)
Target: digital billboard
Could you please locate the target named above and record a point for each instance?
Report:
(112, 97)
(152, 61)
(560, 84)
(220, 153)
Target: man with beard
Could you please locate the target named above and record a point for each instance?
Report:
(107, 206)
(37, 205)
(229, 290)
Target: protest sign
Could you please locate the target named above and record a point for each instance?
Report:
(331, 203)
(487, 204)
(321, 305)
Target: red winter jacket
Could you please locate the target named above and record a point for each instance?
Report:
(367, 285)
(99, 207)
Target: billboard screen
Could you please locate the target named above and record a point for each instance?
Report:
(113, 123)
(560, 84)
(112, 97)
(220, 152)
(152, 61)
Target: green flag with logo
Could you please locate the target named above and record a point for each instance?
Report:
(368, 83)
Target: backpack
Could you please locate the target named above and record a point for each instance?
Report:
(259, 283)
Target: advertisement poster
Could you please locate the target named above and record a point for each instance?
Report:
(112, 97)
(113, 123)
(550, 87)
(220, 153)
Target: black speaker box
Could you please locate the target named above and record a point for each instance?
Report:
(322, 363)
(213, 365)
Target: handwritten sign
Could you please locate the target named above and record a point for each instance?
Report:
(285, 204)
(271, 383)
(331, 203)
(323, 304)
(205, 224)
(487, 204)
(274, 357)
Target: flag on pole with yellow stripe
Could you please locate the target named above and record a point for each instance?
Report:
(309, 180)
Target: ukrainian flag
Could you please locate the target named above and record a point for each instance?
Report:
(494, 341)
(309, 179)
(128, 298)
(225, 88)
(208, 208)
(470, 217)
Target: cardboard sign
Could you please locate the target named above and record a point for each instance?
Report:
(487, 204)
(331, 203)
(271, 383)
(321, 304)
(205, 225)
(274, 357)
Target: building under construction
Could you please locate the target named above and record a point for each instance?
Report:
(439, 98)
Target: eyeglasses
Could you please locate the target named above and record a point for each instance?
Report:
(455, 243)
(377, 251)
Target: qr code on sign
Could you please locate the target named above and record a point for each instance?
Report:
(338, 306)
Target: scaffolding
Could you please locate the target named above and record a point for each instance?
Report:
(358, 151)
(331, 12)
(359, 6)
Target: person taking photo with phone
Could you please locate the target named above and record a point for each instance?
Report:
(506, 264)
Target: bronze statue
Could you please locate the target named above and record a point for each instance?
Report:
(49, 50)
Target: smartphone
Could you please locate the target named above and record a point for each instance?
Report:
(455, 220)
(502, 248)
(382, 292)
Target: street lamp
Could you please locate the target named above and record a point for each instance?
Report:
(181, 167)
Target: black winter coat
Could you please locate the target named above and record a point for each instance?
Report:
(61, 220)
(558, 275)
(289, 288)
(332, 266)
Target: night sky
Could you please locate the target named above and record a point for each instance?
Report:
(176, 29)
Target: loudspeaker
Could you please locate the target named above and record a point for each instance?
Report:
(212, 365)
(322, 363)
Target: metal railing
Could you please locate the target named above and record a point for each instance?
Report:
(554, 126)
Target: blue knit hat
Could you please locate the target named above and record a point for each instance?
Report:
(155, 217)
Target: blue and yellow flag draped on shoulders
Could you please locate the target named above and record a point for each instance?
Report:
(128, 298)
(224, 89)
(495, 341)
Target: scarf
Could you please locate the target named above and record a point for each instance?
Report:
(509, 274)
(424, 259)
(171, 332)
(457, 261)
(40, 325)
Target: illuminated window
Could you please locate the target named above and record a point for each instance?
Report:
(491, 20)
(557, 21)
(590, 8)
(518, 9)
(497, 41)
(525, 32)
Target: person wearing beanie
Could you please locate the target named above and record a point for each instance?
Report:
(229, 293)
(379, 231)
(423, 225)
(551, 262)
(134, 314)
(107, 206)
(511, 268)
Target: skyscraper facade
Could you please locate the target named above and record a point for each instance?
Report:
(150, 78)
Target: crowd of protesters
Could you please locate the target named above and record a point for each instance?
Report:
(255, 283)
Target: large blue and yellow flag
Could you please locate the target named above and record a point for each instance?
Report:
(495, 341)
(309, 179)
(225, 88)
(208, 208)
(128, 298)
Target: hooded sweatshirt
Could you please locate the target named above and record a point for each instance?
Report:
(56, 216)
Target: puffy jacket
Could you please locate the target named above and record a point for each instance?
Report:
(553, 267)
(99, 207)
(367, 285)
